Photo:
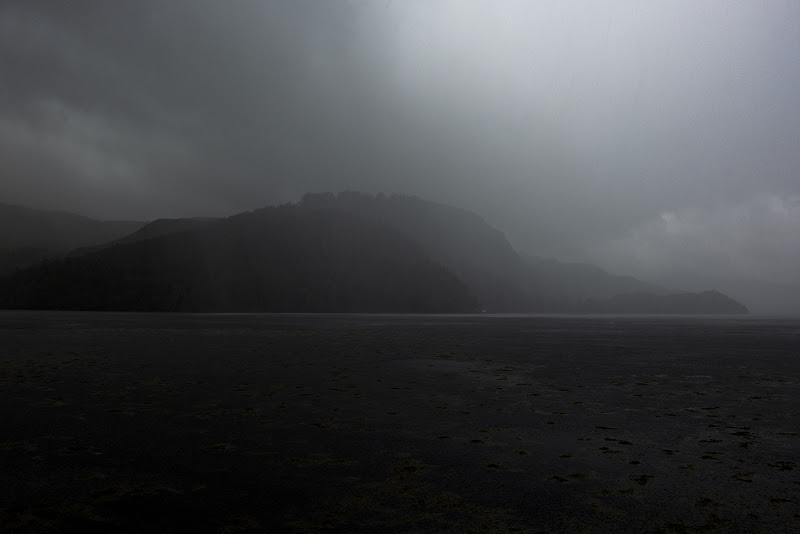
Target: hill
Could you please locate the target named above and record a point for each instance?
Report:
(335, 252)
(575, 282)
(502, 279)
(761, 296)
(281, 259)
(157, 228)
(28, 235)
(706, 302)
(460, 240)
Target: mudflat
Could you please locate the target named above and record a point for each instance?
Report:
(343, 423)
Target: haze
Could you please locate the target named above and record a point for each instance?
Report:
(658, 139)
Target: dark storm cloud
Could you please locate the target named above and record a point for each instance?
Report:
(192, 106)
(579, 129)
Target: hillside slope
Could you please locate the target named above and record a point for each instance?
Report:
(576, 282)
(333, 252)
(272, 260)
(458, 239)
(157, 228)
(502, 279)
(29, 235)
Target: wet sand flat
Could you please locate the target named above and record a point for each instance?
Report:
(342, 423)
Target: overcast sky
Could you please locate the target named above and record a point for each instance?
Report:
(645, 136)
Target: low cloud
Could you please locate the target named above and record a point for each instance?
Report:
(758, 237)
(578, 129)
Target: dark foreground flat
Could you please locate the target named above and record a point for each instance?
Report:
(270, 423)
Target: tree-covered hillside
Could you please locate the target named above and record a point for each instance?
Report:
(28, 235)
(280, 259)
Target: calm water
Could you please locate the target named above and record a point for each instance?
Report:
(130, 422)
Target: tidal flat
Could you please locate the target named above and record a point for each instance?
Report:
(123, 422)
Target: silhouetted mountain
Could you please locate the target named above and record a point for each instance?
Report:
(458, 239)
(707, 302)
(576, 282)
(275, 259)
(334, 252)
(28, 235)
(761, 296)
(502, 279)
(157, 228)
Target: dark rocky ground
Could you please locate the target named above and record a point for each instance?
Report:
(270, 423)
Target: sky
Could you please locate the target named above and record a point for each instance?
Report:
(647, 137)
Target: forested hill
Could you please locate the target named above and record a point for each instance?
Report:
(29, 235)
(157, 228)
(346, 252)
(278, 259)
(460, 240)
(575, 283)
(501, 278)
